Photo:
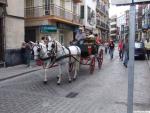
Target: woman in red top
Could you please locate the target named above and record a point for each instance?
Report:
(120, 49)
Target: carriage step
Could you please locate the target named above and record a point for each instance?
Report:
(72, 95)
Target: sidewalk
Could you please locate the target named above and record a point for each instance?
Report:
(148, 61)
(11, 72)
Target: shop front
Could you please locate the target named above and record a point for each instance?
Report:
(66, 33)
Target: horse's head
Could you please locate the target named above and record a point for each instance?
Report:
(40, 51)
(52, 49)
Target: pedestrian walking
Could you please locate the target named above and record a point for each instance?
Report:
(98, 39)
(126, 52)
(120, 49)
(23, 52)
(111, 49)
(147, 47)
(106, 47)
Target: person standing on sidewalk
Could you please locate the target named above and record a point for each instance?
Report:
(126, 52)
(28, 51)
(147, 47)
(120, 49)
(111, 49)
(23, 52)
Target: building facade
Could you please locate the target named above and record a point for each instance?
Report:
(88, 15)
(102, 18)
(121, 24)
(113, 27)
(57, 18)
(12, 31)
(146, 22)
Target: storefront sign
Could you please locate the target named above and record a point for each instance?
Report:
(48, 28)
(65, 26)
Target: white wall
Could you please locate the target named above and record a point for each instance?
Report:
(15, 8)
(14, 24)
(92, 5)
(14, 31)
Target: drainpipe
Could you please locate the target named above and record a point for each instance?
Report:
(4, 31)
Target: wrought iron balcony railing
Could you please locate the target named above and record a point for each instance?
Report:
(102, 9)
(102, 25)
(52, 11)
(77, 1)
(3, 1)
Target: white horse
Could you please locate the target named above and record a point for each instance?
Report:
(55, 53)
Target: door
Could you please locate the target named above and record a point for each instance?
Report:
(30, 34)
(1, 41)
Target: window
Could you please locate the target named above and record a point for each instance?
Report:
(47, 4)
(29, 3)
(82, 12)
(29, 8)
(62, 3)
(74, 8)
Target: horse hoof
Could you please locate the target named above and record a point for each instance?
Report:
(45, 82)
(74, 79)
(58, 84)
(70, 81)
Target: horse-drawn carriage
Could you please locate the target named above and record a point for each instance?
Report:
(90, 51)
(84, 52)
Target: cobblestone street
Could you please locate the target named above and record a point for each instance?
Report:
(103, 92)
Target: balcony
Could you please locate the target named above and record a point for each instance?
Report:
(102, 25)
(102, 9)
(52, 12)
(77, 1)
(3, 2)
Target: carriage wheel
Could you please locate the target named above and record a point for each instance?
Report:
(100, 59)
(92, 65)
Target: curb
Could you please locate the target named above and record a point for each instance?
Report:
(17, 75)
(148, 63)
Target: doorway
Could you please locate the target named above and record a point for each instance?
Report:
(61, 38)
(30, 34)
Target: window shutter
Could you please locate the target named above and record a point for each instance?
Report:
(82, 12)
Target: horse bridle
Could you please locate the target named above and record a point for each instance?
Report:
(52, 53)
(39, 47)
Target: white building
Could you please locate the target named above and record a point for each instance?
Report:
(57, 18)
(121, 24)
(102, 18)
(12, 30)
(88, 14)
(113, 27)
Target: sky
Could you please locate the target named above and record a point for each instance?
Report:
(117, 10)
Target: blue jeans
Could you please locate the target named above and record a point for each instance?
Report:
(111, 52)
(28, 58)
(126, 57)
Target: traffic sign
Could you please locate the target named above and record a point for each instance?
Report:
(124, 2)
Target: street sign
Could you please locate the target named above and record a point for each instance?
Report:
(124, 2)
(48, 28)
